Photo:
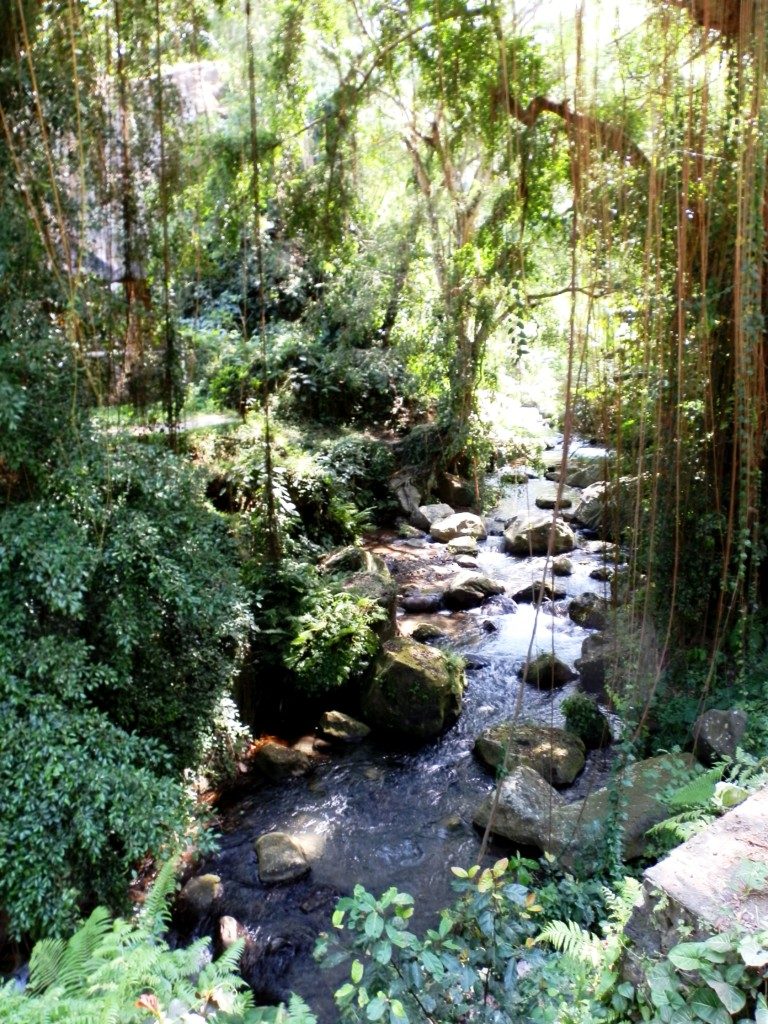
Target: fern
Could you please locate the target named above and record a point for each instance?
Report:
(573, 941)
(67, 965)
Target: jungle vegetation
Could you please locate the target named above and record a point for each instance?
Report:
(350, 234)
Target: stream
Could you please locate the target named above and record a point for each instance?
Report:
(392, 818)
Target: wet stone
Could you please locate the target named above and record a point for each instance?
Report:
(281, 859)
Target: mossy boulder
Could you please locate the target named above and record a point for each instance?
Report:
(530, 812)
(456, 491)
(341, 728)
(562, 566)
(351, 559)
(557, 755)
(584, 719)
(277, 762)
(608, 507)
(415, 693)
(529, 534)
(589, 610)
(378, 587)
(547, 672)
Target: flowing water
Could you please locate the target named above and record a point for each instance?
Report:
(383, 817)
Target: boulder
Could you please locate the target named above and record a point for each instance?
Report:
(230, 931)
(529, 534)
(532, 813)
(462, 546)
(405, 491)
(456, 491)
(550, 501)
(335, 725)
(589, 610)
(466, 562)
(584, 719)
(416, 601)
(425, 515)
(415, 692)
(427, 631)
(460, 524)
(523, 813)
(407, 532)
(277, 762)
(602, 573)
(597, 651)
(608, 507)
(281, 859)
(717, 734)
(200, 893)
(351, 559)
(538, 591)
(546, 671)
(469, 589)
(562, 566)
(557, 755)
(380, 588)
(513, 475)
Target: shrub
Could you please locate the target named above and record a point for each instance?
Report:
(585, 719)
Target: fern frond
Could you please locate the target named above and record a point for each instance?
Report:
(699, 791)
(155, 914)
(77, 962)
(572, 940)
(44, 963)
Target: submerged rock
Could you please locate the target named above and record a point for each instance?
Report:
(460, 524)
(529, 534)
(717, 734)
(469, 589)
(335, 725)
(414, 600)
(546, 671)
(281, 859)
(425, 515)
(557, 755)
(466, 562)
(562, 566)
(415, 693)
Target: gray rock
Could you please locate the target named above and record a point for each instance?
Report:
(590, 611)
(335, 725)
(460, 524)
(466, 562)
(609, 507)
(524, 810)
(201, 892)
(717, 734)
(529, 534)
(426, 631)
(406, 492)
(277, 762)
(230, 930)
(380, 588)
(546, 671)
(597, 651)
(416, 601)
(456, 491)
(415, 692)
(532, 813)
(538, 591)
(281, 859)
(557, 755)
(513, 476)
(462, 546)
(562, 566)
(602, 573)
(425, 515)
(351, 559)
(407, 532)
(550, 501)
(469, 589)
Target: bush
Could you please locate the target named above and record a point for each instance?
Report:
(585, 719)
(122, 624)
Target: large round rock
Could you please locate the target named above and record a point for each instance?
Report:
(529, 534)
(469, 589)
(415, 693)
(557, 755)
(461, 524)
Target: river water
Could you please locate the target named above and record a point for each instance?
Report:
(382, 817)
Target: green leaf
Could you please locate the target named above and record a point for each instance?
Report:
(752, 952)
(761, 1011)
(687, 956)
(356, 972)
(731, 998)
(374, 926)
(376, 1009)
